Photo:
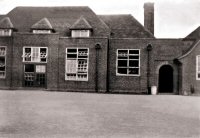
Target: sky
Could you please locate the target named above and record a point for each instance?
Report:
(173, 18)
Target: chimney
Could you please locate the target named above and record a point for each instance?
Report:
(149, 17)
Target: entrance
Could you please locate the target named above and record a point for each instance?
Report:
(34, 75)
(166, 79)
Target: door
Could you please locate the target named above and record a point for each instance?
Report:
(166, 79)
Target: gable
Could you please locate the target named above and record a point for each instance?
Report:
(42, 24)
(5, 23)
(81, 23)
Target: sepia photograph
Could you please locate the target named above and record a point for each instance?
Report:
(99, 69)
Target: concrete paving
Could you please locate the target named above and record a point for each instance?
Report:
(42, 114)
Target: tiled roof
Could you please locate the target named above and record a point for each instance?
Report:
(125, 26)
(81, 23)
(61, 18)
(42, 24)
(5, 23)
(195, 34)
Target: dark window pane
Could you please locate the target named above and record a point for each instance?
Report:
(199, 75)
(2, 61)
(133, 57)
(122, 63)
(27, 50)
(133, 51)
(122, 70)
(2, 68)
(71, 50)
(133, 63)
(71, 55)
(133, 71)
(29, 68)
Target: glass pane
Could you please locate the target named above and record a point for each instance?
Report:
(122, 53)
(71, 50)
(133, 63)
(133, 51)
(133, 57)
(2, 51)
(82, 65)
(199, 75)
(71, 66)
(122, 70)
(40, 68)
(133, 71)
(29, 68)
(122, 63)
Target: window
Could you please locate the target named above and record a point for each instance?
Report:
(198, 68)
(2, 62)
(80, 33)
(34, 75)
(5, 32)
(41, 31)
(128, 62)
(35, 54)
(76, 67)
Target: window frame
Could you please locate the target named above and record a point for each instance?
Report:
(197, 67)
(5, 61)
(76, 59)
(37, 31)
(2, 32)
(81, 33)
(136, 75)
(32, 47)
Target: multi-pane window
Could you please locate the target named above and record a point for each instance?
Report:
(35, 54)
(76, 67)
(80, 33)
(128, 62)
(198, 68)
(34, 75)
(41, 31)
(5, 32)
(2, 62)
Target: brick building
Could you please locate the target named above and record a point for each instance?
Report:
(73, 49)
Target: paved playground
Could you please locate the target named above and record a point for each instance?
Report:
(42, 114)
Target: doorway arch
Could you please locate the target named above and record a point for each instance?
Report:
(166, 84)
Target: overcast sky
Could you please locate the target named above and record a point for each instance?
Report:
(173, 18)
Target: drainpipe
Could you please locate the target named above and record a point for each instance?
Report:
(149, 48)
(97, 47)
(108, 69)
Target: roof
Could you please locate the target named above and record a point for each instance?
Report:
(42, 24)
(5, 23)
(125, 26)
(81, 23)
(195, 34)
(190, 50)
(61, 18)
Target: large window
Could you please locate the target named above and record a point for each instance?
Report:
(198, 68)
(128, 62)
(2, 62)
(41, 31)
(35, 54)
(76, 67)
(80, 33)
(5, 32)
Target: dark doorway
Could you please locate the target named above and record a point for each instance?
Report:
(166, 79)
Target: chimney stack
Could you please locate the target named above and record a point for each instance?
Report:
(149, 17)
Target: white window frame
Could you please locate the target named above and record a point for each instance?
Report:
(197, 67)
(80, 33)
(32, 54)
(76, 71)
(118, 74)
(5, 32)
(3, 77)
(41, 31)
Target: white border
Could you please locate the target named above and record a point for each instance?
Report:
(197, 71)
(5, 60)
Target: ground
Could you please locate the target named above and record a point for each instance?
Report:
(43, 114)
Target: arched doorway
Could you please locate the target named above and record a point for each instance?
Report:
(166, 79)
